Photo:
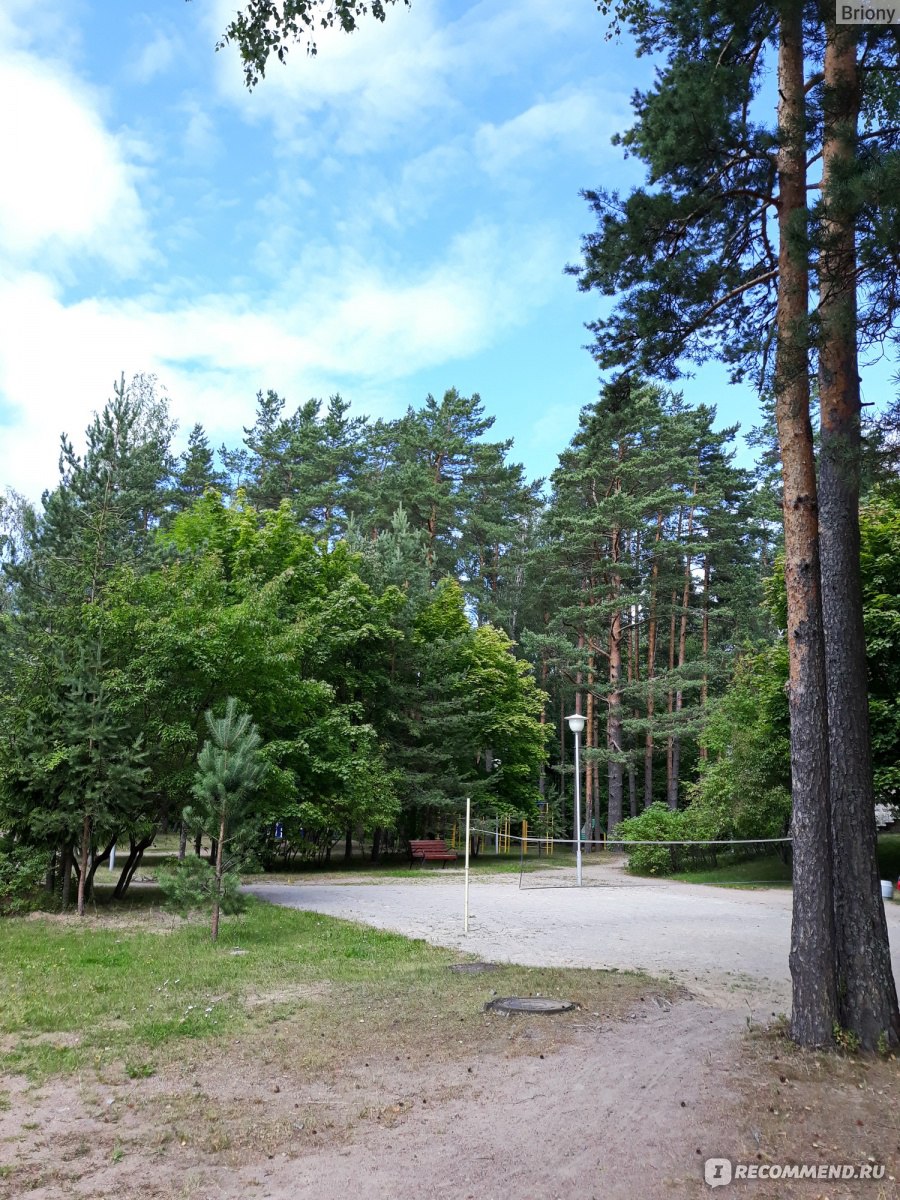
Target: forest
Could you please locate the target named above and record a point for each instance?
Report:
(408, 620)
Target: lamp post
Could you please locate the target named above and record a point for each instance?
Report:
(576, 724)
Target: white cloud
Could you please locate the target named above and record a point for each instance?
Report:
(581, 122)
(67, 184)
(154, 58)
(349, 327)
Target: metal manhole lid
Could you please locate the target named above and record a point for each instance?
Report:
(529, 1004)
(474, 968)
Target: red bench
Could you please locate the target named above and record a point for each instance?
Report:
(431, 850)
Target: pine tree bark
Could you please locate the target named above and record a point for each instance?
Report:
(614, 768)
(590, 743)
(812, 932)
(682, 649)
(651, 668)
(670, 699)
(867, 995)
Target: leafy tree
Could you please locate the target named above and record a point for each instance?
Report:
(266, 27)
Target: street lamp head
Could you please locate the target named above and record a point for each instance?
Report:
(576, 722)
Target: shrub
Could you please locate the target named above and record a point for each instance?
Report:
(658, 823)
(22, 871)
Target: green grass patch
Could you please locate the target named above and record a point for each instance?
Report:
(128, 999)
(771, 871)
(767, 871)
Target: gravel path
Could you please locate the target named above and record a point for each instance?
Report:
(728, 945)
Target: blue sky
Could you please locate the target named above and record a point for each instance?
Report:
(388, 219)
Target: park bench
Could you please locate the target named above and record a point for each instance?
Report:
(431, 850)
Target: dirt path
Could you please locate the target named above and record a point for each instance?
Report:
(618, 1109)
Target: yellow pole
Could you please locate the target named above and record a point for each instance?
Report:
(524, 837)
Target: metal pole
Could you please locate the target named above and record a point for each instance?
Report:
(578, 807)
(466, 901)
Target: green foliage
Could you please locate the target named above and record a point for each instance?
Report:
(229, 770)
(659, 823)
(270, 27)
(190, 883)
(22, 869)
(745, 787)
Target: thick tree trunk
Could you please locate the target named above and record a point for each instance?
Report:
(182, 842)
(867, 995)
(812, 933)
(348, 844)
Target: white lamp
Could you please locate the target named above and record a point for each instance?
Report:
(576, 724)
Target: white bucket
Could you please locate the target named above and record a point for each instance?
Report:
(887, 889)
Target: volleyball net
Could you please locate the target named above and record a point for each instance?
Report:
(547, 861)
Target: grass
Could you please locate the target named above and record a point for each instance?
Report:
(130, 998)
(770, 871)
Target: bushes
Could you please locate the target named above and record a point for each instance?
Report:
(22, 871)
(659, 824)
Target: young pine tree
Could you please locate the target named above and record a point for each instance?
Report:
(229, 771)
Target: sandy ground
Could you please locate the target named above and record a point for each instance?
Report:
(727, 945)
(618, 1110)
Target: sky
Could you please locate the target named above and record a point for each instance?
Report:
(388, 219)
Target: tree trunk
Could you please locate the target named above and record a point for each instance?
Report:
(670, 699)
(376, 843)
(590, 742)
(348, 844)
(682, 647)
(812, 931)
(217, 895)
(867, 996)
(651, 669)
(614, 699)
(66, 873)
(182, 842)
(97, 860)
(83, 862)
(135, 854)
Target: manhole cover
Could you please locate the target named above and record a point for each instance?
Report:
(475, 968)
(528, 1004)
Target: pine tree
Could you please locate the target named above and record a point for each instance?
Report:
(229, 771)
(717, 255)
